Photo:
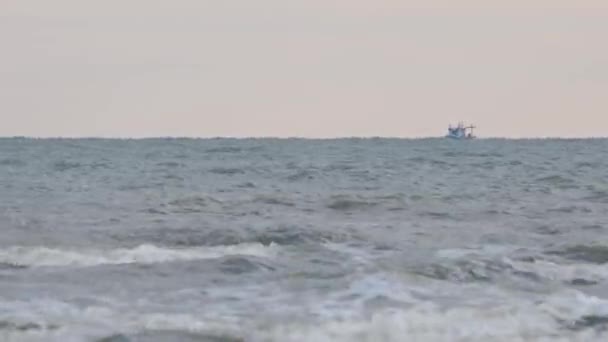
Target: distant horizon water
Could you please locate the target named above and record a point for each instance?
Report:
(287, 137)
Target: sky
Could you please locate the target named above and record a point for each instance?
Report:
(305, 68)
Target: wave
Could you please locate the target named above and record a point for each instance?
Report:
(19, 256)
(282, 235)
(273, 200)
(64, 165)
(170, 164)
(227, 171)
(171, 335)
(490, 264)
(182, 237)
(569, 316)
(12, 162)
(558, 181)
(347, 203)
(294, 235)
(24, 326)
(546, 271)
(570, 209)
(225, 149)
(49, 320)
(597, 196)
(596, 254)
(302, 175)
(191, 204)
(561, 316)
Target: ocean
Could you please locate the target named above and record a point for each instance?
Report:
(109, 240)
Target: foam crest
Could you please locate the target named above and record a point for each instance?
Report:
(562, 316)
(55, 321)
(143, 254)
(555, 319)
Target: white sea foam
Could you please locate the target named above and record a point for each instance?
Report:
(515, 321)
(54, 321)
(433, 326)
(143, 254)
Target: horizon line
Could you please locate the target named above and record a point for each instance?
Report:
(295, 137)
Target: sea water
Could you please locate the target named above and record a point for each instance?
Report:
(303, 240)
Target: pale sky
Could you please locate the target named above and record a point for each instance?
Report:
(308, 68)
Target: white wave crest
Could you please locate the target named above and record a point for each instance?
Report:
(143, 254)
(456, 326)
(515, 321)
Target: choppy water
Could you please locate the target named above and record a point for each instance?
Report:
(303, 240)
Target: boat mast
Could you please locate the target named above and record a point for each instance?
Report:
(471, 127)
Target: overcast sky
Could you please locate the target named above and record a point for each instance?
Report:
(312, 68)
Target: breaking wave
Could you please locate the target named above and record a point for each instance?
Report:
(485, 265)
(563, 316)
(19, 256)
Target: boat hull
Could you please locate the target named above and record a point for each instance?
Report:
(459, 138)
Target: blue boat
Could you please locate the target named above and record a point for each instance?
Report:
(460, 132)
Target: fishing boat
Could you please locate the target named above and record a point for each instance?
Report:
(460, 132)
